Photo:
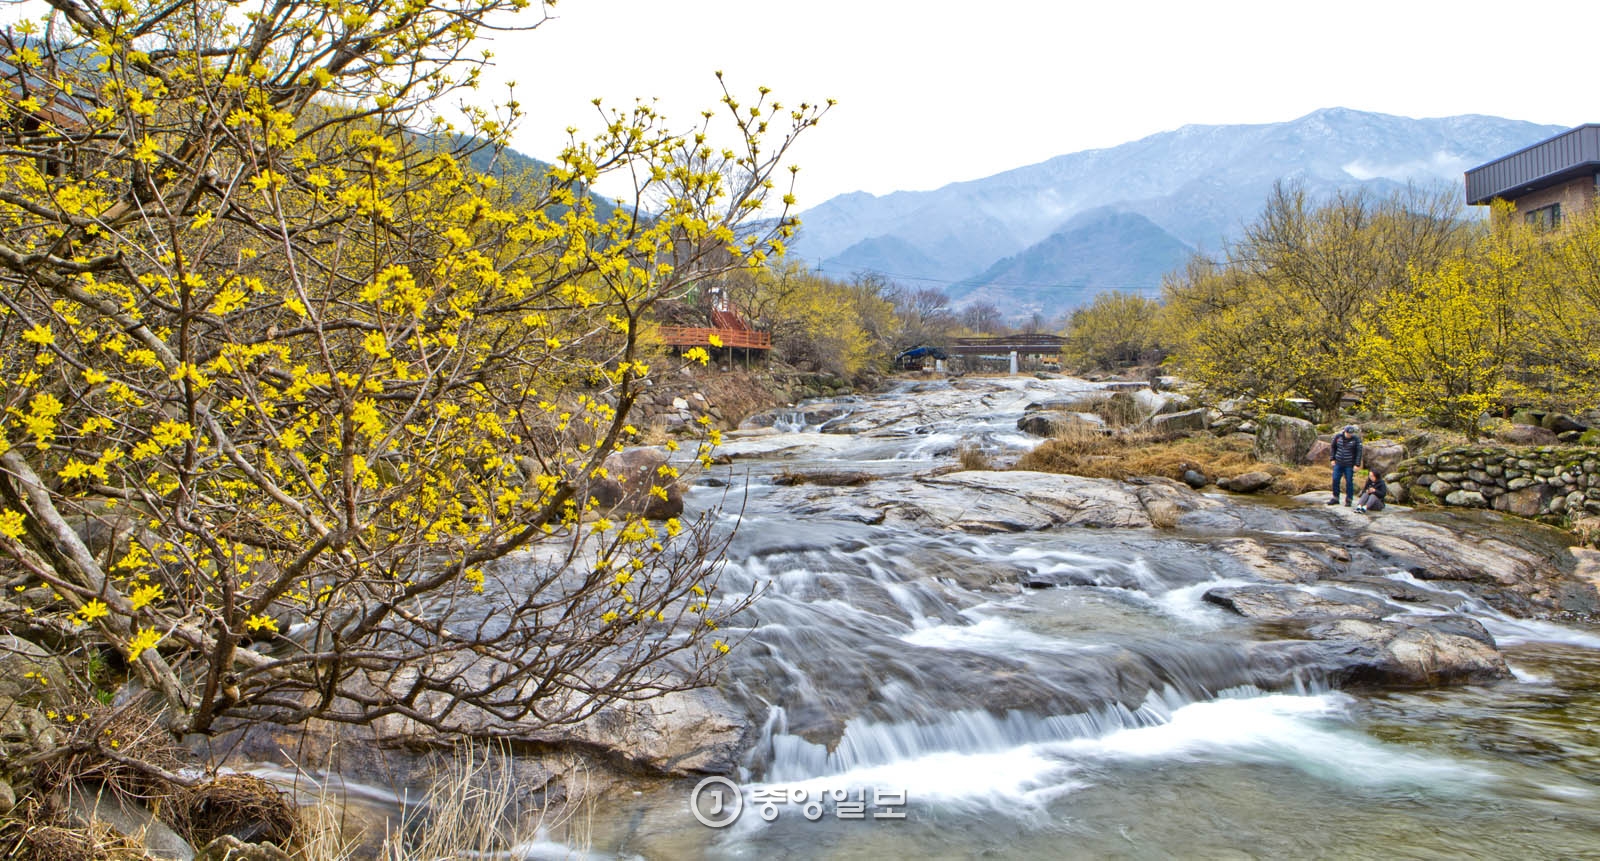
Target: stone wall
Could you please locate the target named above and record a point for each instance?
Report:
(1556, 481)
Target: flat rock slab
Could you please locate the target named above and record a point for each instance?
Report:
(982, 502)
(1282, 604)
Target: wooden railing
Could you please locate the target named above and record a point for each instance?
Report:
(1029, 344)
(688, 336)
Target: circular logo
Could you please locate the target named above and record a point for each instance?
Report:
(716, 802)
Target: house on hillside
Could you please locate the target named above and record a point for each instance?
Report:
(1551, 180)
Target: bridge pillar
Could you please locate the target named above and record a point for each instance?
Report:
(1013, 362)
(938, 365)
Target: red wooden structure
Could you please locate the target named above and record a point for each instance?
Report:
(726, 325)
(694, 336)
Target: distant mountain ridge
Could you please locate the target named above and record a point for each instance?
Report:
(1189, 188)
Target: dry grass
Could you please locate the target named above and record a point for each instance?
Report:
(972, 458)
(1090, 453)
(205, 812)
(104, 745)
(478, 809)
(33, 834)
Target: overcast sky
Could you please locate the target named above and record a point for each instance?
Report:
(931, 92)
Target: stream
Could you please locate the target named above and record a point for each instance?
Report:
(918, 690)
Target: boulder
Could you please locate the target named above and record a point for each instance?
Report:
(24, 731)
(1284, 439)
(1249, 482)
(630, 475)
(1053, 424)
(30, 674)
(1180, 422)
(1168, 403)
(1195, 478)
(1321, 452)
(1527, 435)
(1382, 456)
(1560, 423)
(1466, 498)
(1428, 651)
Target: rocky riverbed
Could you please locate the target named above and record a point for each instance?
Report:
(1114, 667)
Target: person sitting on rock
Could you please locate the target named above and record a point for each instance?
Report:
(1372, 493)
(1346, 456)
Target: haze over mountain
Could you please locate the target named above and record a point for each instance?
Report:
(1048, 236)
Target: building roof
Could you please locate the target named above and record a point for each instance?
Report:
(1568, 155)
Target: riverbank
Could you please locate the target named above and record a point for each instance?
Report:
(1128, 660)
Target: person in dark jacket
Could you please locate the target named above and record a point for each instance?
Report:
(1372, 493)
(1345, 458)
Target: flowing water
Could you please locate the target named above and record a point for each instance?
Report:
(897, 671)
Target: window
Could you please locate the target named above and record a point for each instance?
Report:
(1545, 217)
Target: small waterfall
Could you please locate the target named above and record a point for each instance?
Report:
(790, 421)
(1073, 673)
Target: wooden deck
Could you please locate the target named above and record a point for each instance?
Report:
(688, 336)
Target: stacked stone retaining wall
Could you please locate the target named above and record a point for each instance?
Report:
(1544, 481)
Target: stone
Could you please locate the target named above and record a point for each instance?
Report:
(1284, 439)
(631, 474)
(1055, 424)
(1527, 435)
(1427, 651)
(1587, 529)
(1179, 422)
(1195, 479)
(89, 804)
(1279, 604)
(230, 848)
(1441, 488)
(983, 502)
(1321, 452)
(1249, 482)
(8, 797)
(1561, 423)
(1519, 483)
(30, 674)
(1466, 498)
(1524, 502)
(1382, 456)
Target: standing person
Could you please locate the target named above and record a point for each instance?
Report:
(1372, 493)
(1345, 458)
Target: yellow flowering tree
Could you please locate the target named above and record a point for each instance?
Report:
(1559, 355)
(1277, 317)
(319, 381)
(1444, 350)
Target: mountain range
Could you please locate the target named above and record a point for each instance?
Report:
(1047, 237)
